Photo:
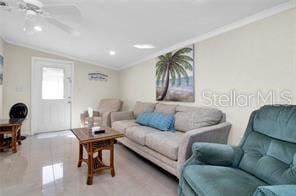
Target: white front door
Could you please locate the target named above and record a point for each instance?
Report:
(51, 95)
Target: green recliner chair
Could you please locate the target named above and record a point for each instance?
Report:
(264, 163)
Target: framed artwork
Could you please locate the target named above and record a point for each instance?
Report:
(175, 75)
(96, 76)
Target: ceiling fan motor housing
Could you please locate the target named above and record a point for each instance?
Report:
(3, 4)
(32, 6)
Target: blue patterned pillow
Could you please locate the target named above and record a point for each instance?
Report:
(144, 118)
(163, 122)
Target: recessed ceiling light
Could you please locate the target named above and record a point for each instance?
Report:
(112, 52)
(144, 46)
(38, 28)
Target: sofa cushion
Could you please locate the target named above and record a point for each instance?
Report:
(141, 107)
(276, 190)
(163, 122)
(166, 143)
(122, 125)
(144, 118)
(269, 159)
(165, 108)
(220, 181)
(189, 118)
(139, 133)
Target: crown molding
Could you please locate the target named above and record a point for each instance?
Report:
(240, 23)
(69, 57)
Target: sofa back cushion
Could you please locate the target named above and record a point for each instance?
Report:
(144, 118)
(165, 108)
(189, 118)
(270, 145)
(141, 107)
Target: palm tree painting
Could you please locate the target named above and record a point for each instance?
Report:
(175, 76)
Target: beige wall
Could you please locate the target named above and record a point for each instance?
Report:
(1, 86)
(17, 82)
(257, 57)
(138, 83)
(1, 46)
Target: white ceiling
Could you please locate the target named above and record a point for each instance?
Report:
(119, 24)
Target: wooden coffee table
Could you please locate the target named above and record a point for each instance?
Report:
(96, 143)
(11, 127)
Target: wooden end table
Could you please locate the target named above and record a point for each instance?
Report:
(12, 127)
(96, 143)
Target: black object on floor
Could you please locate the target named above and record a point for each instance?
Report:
(8, 139)
(18, 111)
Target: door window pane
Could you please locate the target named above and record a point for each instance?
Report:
(52, 83)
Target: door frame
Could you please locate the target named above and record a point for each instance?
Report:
(33, 93)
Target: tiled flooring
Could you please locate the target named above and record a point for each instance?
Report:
(46, 164)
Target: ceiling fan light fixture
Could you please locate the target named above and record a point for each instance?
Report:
(112, 52)
(38, 28)
(30, 13)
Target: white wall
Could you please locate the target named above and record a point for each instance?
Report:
(258, 57)
(17, 82)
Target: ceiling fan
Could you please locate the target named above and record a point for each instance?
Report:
(35, 11)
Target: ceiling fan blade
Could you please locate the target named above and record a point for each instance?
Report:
(60, 25)
(70, 11)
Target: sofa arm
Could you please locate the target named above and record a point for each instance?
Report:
(125, 115)
(106, 119)
(211, 134)
(217, 154)
(276, 190)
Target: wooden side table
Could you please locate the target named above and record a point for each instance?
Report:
(96, 143)
(12, 127)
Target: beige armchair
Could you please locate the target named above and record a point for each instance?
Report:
(102, 116)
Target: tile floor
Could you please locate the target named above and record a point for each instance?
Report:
(46, 164)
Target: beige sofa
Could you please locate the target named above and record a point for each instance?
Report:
(169, 150)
